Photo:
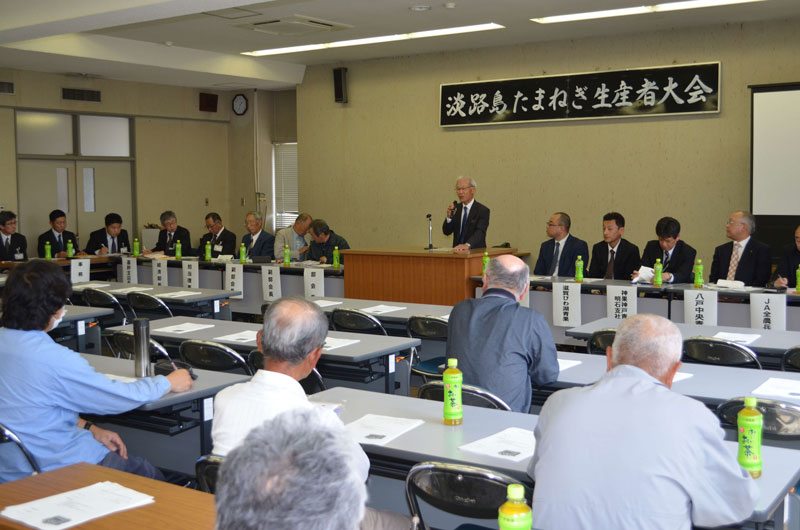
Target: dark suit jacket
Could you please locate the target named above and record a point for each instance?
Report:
(502, 346)
(755, 263)
(265, 244)
(477, 224)
(573, 248)
(626, 260)
(66, 235)
(182, 235)
(226, 238)
(99, 238)
(19, 245)
(680, 263)
(788, 265)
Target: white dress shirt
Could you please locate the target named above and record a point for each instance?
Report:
(240, 408)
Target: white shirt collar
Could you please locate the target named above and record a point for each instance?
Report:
(469, 204)
(742, 243)
(562, 241)
(610, 248)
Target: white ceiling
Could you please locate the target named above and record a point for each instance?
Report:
(125, 39)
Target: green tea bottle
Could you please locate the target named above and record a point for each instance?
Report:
(515, 514)
(579, 270)
(750, 423)
(452, 379)
(658, 271)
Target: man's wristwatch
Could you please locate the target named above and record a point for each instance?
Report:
(88, 425)
(468, 245)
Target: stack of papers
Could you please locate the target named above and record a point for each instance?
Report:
(326, 303)
(75, 507)
(680, 376)
(242, 336)
(374, 429)
(741, 338)
(563, 364)
(788, 389)
(91, 285)
(179, 294)
(126, 290)
(333, 343)
(513, 444)
(184, 328)
(381, 309)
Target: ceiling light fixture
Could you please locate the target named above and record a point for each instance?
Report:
(641, 10)
(377, 40)
(420, 8)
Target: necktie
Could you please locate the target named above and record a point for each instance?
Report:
(169, 240)
(60, 243)
(665, 260)
(114, 245)
(462, 234)
(8, 247)
(610, 268)
(734, 262)
(554, 265)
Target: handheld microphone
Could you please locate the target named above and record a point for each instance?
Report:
(428, 216)
(453, 211)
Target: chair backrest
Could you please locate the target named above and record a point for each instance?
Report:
(206, 469)
(356, 321)
(600, 340)
(790, 362)
(8, 436)
(208, 355)
(781, 420)
(312, 384)
(100, 298)
(124, 340)
(710, 350)
(464, 490)
(470, 395)
(264, 307)
(426, 327)
(148, 304)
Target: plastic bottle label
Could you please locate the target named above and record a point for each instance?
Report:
(517, 521)
(750, 428)
(452, 396)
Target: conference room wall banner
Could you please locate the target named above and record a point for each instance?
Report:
(638, 92)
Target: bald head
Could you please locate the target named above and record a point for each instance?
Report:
(507, 272)
(649, 342)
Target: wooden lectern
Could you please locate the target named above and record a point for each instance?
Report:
(412, 274)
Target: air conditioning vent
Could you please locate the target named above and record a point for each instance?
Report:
(6, 87)
(79, 94)
(295, 25)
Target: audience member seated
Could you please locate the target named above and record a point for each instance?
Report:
(627, 452)
(44, 386)
(13, 246)
(500, 345)
(324, 241)
(744, 259)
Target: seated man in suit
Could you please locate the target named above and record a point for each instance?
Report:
(109, 240)
(296, 236)
(45, 386)
(676, 256)
(467, 221)
(656, 459)
(557, 255)
(744, 259)
(170, 234)
(13, 246)
(500, 345)
(58, 236)
(257, 241)
(222, 240)
(786, 275)
(614, 258)
(323, 242)
(291, 341)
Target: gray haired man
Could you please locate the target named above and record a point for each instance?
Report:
(500, 345)
(295, 471)
(627, 452)
(291, 341)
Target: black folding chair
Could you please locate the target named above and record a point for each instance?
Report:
(124, 341)
(466, 491)
(470, 395)
(8, 436)
(790, 362)
(710, 350)
(427, 328)
(208, 355)
(147, 305)
(99, 298)
(356, 321)
(206, 468)
(781, 420)
(600, 340)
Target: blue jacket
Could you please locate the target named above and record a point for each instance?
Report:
(264, 244)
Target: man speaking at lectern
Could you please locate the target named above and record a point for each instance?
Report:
(467, 221)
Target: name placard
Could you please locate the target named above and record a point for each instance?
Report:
(768, 311)
(270, 282)
(234, 279)
(314, 282)
(191, 274)
(160, 272)
(700, 307)
(620, 301)
(566, 304)
(79, 270)
(130, 272)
